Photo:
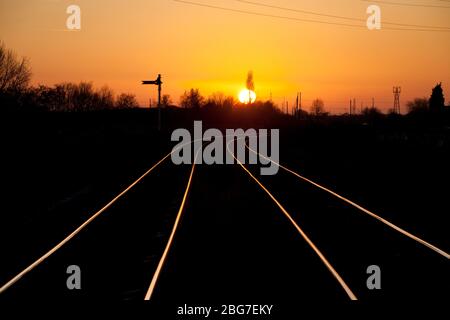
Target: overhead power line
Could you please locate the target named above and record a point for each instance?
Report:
(266, 14)
(259, 4)
(300, 19)
(408, 4)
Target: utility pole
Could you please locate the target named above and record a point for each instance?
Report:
(159, 83)
(300, 105)
(397, 91)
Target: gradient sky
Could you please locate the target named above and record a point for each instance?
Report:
(125, 41)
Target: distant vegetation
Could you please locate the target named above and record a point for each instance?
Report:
(437, 100)
(318, 107)
(418, 105)
(15, 72)
(16, 94)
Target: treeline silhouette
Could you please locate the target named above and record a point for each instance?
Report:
(65, 97)
(16, 94)
(435, 104)
(193, 99)
(74, 97)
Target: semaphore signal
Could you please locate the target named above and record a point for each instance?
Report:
(159, 83)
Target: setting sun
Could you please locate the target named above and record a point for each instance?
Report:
(247, 96)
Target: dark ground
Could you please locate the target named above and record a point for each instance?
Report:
(233, 245)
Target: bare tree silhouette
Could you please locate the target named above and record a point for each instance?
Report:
(372, 114)
(192, 99)
(220, 100)
(418, 105)
(15, 72)
(318, 107)
(166, 101)
(126, 101)
(216, 99)
(105, 97)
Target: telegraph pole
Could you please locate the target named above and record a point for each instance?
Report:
(300, 105)
(159, 83)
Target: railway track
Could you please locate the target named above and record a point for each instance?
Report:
(174, 234)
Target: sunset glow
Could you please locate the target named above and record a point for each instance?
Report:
(247, 96)
(120, 44)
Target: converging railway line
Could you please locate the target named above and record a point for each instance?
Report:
(221, 234)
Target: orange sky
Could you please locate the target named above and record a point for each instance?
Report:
(124, 41)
